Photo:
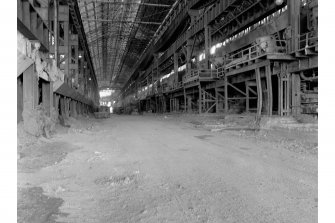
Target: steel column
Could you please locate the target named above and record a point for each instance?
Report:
(56, 35)
(259, 92)
(268, 75)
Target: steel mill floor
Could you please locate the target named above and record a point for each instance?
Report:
(159, 168)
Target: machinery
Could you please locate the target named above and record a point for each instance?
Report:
(104, 112)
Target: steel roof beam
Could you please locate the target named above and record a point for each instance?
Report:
(121, 21)
(108, 36)
(127, 3)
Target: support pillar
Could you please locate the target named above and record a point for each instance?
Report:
(56, 33)
(47, 96)
(156, 104)
(164, 105)
(62, 107)
(189, 103)
(30, 100)
(207, 44)
(30, 89)
(188, 56)
(19, 98)
(247, 106)
(259, 92)
(200, 98)
(294, 20)
(268, 75)
(73, 106)
(280, 96)
(226, 94)
(296, 85)
(67, 107)
(216, 100)
(265, 102)
(56, 103)
(185, 101)
(177, 104)
(288, 92)
(175, 66)
(79, 108)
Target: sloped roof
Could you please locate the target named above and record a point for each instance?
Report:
(117, 33)
(23, 62)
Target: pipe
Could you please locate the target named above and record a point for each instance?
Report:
(313, 78)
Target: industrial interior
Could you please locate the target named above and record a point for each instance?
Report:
(167, 110)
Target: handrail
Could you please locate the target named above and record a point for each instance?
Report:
(213, 73)
(258, 49)
(307, 40)
(177, 85)
(253, 52)
(220, 71)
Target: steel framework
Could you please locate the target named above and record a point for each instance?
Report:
(117, 33)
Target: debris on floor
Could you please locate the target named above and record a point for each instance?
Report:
(41, 154)
(199, 176)
(37, 122)
(35, 207)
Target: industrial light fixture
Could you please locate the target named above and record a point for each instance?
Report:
(79, 55)
(279, 2)
(213, 49)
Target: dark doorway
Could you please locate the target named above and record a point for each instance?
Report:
(274, 80)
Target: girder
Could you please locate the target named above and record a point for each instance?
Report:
(122, 21)
(118, 31)
(114, 2)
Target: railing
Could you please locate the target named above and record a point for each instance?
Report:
(177, 85)
(189, 76)
(256, 51)
(165, 88)
(307, 41)
(207, 73)
(201, 73)
(159, 90)
(221, 72)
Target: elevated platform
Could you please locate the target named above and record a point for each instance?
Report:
(201, 75)
(307, 45)
(173, 88)
(259, 52)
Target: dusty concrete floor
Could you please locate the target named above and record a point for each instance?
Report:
(163, 169)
